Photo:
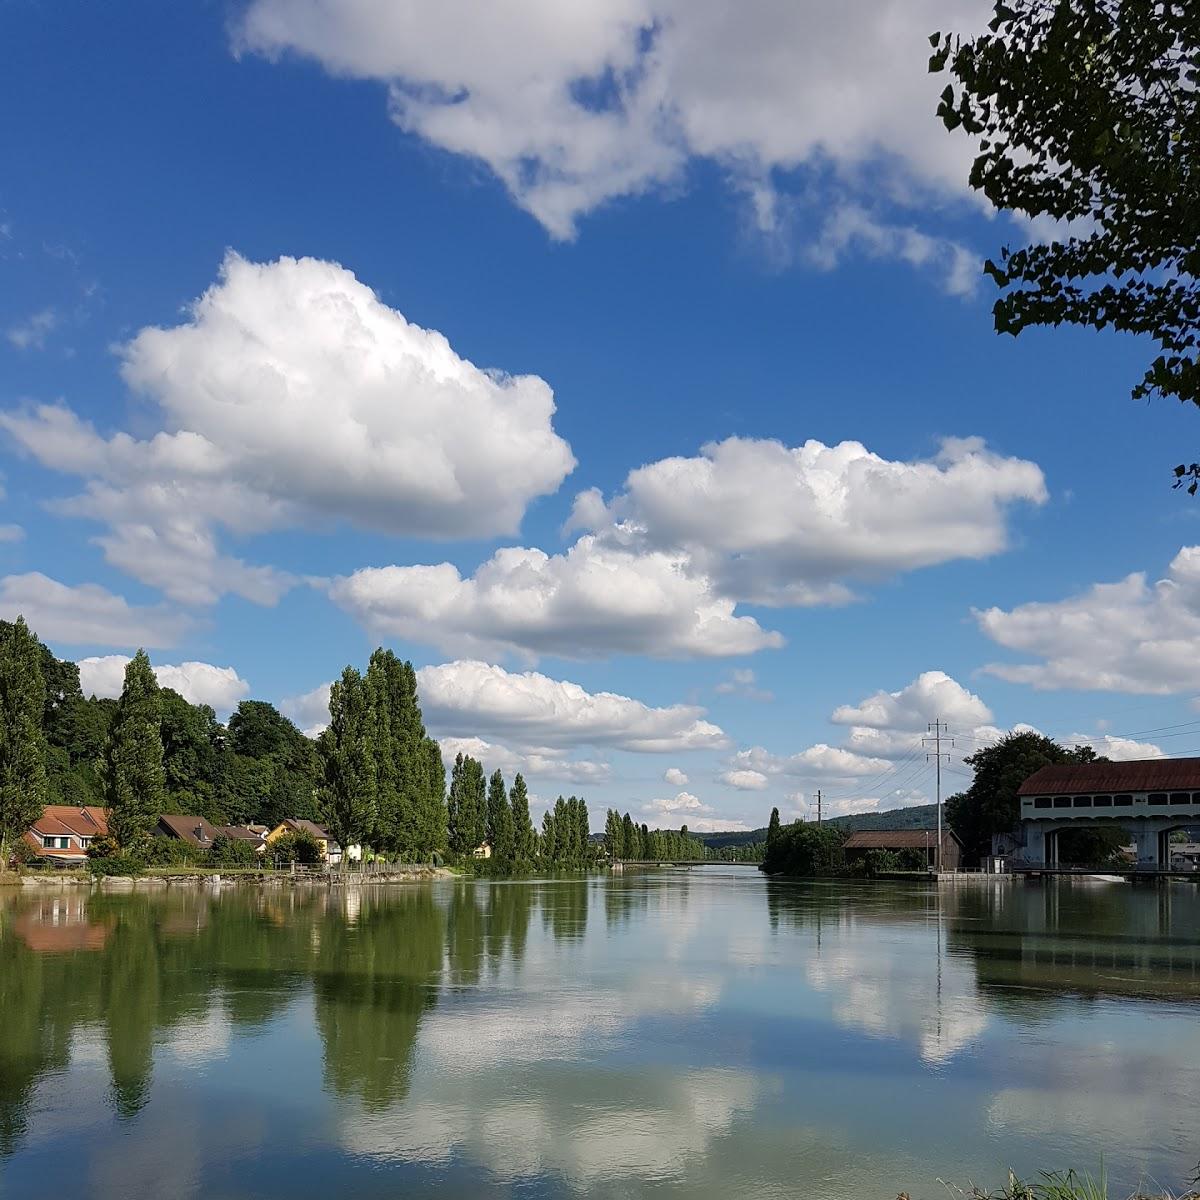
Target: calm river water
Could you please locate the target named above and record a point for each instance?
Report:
(701, 1033)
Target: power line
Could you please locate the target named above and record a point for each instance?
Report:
(936, 727)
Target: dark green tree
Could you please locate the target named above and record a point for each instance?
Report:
(467, 806)
(347, 797)
(990, 805)
(23, 790)
(500, 822)
(132, 772)
(549, 842)
(806, 850)
(773, 828)
(524, 835)
(1088, 111)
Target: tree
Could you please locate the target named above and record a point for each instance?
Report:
(22, 742)
(132, 772)
(990, 805)
(467, 807)
(1088, 111)
(524, 835)
(500, 822)
(773, 828)
(806, 849)
(347, 797)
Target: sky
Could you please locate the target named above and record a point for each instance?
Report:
(626, 365)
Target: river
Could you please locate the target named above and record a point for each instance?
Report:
(700, 1033)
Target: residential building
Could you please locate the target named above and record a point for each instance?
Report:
(196, 831)
(63, 833)
(330, 850)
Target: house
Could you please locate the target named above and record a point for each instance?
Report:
(196, 831)
(330, 850)
(484, 851)
(63, 833)
(921, 841)
(255, 835)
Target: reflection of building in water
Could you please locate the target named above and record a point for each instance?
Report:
(60, 924)
(1085, 938)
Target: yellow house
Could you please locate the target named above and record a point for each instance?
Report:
(292, 825)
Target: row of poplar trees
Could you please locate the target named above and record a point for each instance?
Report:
(482, 813)
(629, 840)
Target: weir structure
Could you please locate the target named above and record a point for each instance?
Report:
(1148, 799)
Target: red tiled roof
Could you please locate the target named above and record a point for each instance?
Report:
(1141, 775)
(74, 853)
(86, 821)
(195, 830)
(894, 839)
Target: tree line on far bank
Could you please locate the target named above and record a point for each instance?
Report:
(374, 777)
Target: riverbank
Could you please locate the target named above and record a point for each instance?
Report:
(157, 877)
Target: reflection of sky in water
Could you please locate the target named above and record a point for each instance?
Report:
(704, 1035)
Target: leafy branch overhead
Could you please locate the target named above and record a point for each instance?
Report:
(1085, 113)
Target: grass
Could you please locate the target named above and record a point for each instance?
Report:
(1056, 1185)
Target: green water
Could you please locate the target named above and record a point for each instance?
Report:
(679, 1034)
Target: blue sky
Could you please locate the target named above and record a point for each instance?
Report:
(684, 223)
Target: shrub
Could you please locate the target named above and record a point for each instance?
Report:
(232, 852)
(295, 848)
(170, 852)
(117, 864)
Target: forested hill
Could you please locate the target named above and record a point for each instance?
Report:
(920, 816)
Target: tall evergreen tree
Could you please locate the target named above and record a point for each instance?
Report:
(23, 790)
(629, 837)
(393, 817)
(133, 776)
(500, 821)
(434, 825)
(773, 828)
(549, 843)
(347, 796)
(460, 825)
(524, 834)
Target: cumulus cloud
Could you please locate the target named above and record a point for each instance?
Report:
(744, 780)
(1130, 636)
(781, 525)
(595, 600)
(548, 762)
(309, 710)
(11, 533)
(531, 709)
(598, 100)
(1119, 749)
(197, 682)
(291, 395)
(675, 777)
(684, 808)
(87, 614)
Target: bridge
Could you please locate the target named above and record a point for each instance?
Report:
(619, 864)
(1148, 800)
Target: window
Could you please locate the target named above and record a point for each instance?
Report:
(1082, 802)
(1042, 802)
(1062, 801)
(1157, 797)
(1122, 801)
(1102, 802)
(1181, 797)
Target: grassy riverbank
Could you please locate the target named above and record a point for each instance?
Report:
(1069, 1186)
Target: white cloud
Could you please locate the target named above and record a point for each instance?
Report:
(675, 777)
(684, 808)
(548, 762)
(1130, 636)
(593, 601)
(814, 762)
(31, 334)
(780, 525)
(744, 780)
(1108, 745)
(742, 682)
(575, 105)
(87, 614)
(11, 533)
(531, 709)
(291, 395)
(197, 682)
(310, 710)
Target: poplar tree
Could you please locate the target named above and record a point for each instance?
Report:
(524, 834)
(549, 844)
(435, 804)
(392, 821)
(499, 821)
(348, 795)
(22, 742)
(628, 837)
(132, 771)
(467, 805)
(773, 828)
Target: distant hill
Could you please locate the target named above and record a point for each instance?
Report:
(920, 816)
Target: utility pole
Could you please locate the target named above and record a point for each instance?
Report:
(818, 807)
(936, 729)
